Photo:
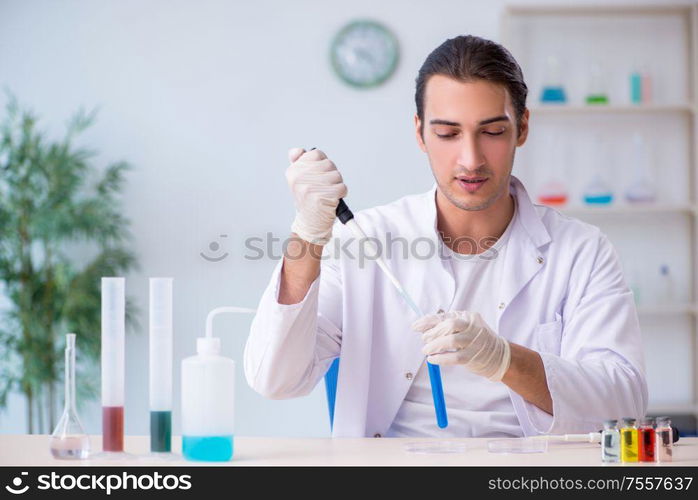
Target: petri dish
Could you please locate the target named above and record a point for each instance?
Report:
(517, 445)
(436, 447)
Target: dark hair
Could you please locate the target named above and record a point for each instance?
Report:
(469, 58)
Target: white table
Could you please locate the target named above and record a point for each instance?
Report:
(33, 450)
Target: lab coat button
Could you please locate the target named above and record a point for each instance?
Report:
(540, 260)
(408, 375)
(501, 305)
(377, 435)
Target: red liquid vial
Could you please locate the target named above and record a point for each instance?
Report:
(113, 428)
(646, 441)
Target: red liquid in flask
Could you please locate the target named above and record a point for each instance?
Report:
(646, 442)
(113, 428)
(553, 200)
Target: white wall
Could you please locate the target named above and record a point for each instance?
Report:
(204, 98)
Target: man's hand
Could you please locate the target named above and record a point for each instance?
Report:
(317, 187)
(463, 337)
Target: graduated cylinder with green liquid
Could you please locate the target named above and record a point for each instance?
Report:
(160, 323)
(628, 441)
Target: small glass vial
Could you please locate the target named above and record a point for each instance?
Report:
(628, 441)
(69, 440)
(646, 440)
(610, 442)
(664, 440)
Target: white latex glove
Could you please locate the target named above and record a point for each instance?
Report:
(463, 337)
(317, 187)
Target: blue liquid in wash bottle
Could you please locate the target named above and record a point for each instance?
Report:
(208, 448)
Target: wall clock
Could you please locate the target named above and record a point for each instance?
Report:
(364, 53)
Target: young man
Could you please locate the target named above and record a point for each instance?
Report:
(541, 333)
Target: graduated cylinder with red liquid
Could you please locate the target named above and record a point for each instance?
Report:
(113, 346)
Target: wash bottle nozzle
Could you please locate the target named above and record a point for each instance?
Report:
(210, 344)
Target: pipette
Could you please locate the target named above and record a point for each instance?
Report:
(591, 437)
(346, 217)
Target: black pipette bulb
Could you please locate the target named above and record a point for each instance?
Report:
(343, 213)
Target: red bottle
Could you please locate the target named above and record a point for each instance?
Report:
(646, 440)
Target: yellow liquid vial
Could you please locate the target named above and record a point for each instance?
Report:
(628, 444)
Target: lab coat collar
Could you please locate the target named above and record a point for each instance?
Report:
(527, 216)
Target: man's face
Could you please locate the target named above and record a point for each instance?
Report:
(470, 135)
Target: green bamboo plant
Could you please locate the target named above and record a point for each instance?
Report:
(61, 230)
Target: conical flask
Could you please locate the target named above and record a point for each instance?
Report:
(69, 440)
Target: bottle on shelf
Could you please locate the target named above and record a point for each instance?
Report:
(666, 292)
(640, 84)
(641, 189)
(553, 90)
(598, 92)
(646, 87)
(636, 86)
(598, 191)
(632, 278)
(553, 191)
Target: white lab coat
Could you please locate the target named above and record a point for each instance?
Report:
(563, 295)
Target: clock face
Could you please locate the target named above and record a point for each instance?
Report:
(364, 53)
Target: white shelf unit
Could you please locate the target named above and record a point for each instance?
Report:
(583, 30)
(667, 310)
(630, 210)
(605, 108)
